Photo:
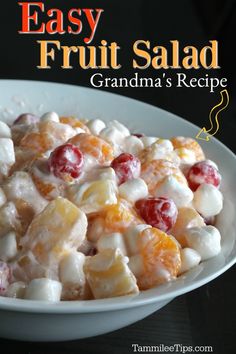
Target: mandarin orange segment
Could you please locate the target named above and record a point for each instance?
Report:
(26, 213)
(188, 143)
(46, 189)
(60, 226)
(37, 142)
(48, 186)
(74, 123)
(155, 171)
(161, 258)
(108, 275)
(187, 217)
(49, 135)
(94, 146)
(120, 216)
(114, 218)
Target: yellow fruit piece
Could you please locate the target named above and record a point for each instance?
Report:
(59, 227)
(188, 143)
(160, 256)
(108, 275)
(187, 217)
(93, 196)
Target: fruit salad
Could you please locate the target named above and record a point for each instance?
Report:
(90, 210)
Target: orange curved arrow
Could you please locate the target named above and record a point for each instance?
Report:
(205, 134)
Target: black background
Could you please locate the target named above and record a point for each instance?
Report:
(207, 315)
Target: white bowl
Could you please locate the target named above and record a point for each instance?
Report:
(40, 321)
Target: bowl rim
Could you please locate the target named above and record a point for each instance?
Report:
(115, 303)
(104, 305)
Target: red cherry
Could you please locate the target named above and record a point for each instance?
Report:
(203, 172)
(126, 167)
(66, 161)
(158, 212)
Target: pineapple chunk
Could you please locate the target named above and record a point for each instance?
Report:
(58, 228)
(93, 196)
(108, 275)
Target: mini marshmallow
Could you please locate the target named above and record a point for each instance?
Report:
(50, 117)
(205, 240)
(21, 186)
(8, 246)
(5, 274)
(3, 198)
(9, 218)
(44, 289)
(133, 189)
(89, 162)
(136, 265)
(208, 200)
(120, 127)
(113, 137)
(131, 237)
(96, 126)
(170, 187)
(161, 149)
(189, 259)
(71, 269)
(16, 290)
(5, 131)
(7, 155)
(148, 140)
(133, 145)
(113, 241)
